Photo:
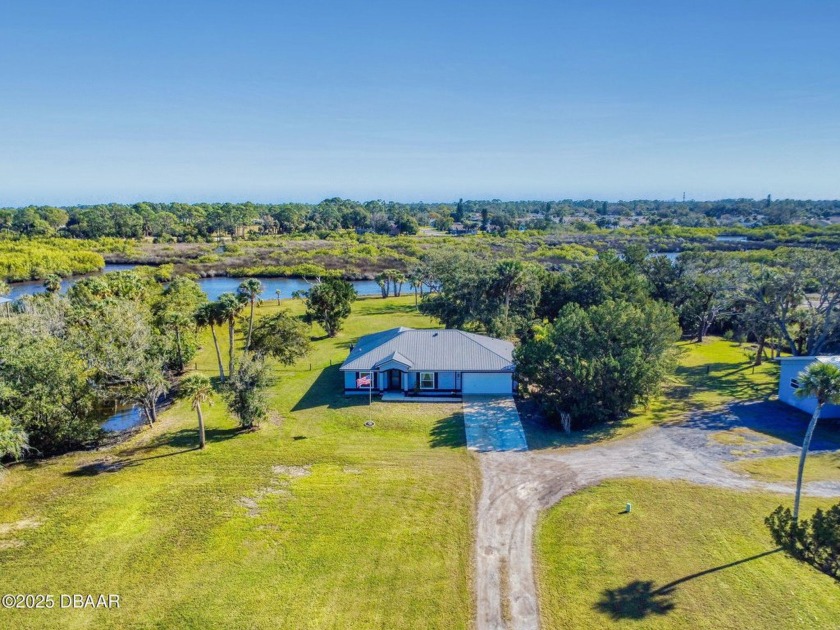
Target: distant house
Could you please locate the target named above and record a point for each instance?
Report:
(792, 367)
(423, 362)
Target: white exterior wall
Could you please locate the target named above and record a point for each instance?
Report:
(791, 368)
(487, 383)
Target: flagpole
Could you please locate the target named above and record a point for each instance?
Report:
(370, 397)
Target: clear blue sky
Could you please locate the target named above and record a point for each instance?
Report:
(432, 100)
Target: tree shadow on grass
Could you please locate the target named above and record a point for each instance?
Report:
(733, 381)
(543, 433)
(185, 439)
(111, 466)
(327, 390)
(636, 600)
(640, 598)
(390, 309)
(448, 432)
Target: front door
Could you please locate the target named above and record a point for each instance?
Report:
(395, 379)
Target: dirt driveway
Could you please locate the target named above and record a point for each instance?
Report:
(516, 486)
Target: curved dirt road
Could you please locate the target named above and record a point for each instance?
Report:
(516, 486)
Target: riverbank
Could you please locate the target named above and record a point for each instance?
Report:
(213, 286)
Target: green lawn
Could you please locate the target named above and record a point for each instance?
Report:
(312, 521)
(709, 375)
(818, 467)
(685, 557)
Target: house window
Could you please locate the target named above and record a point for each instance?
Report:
(794, 383)
(370, 383)
(427, 380)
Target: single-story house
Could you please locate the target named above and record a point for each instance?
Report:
(792, 367)
(425, 362)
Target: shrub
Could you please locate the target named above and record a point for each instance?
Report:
(35, 260)
(245, 394)
(816, 542)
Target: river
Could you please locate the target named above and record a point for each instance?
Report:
(129, 417)
(212, 287)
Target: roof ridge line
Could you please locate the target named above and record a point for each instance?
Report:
(467, 335)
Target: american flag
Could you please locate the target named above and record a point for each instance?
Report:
(363, 381)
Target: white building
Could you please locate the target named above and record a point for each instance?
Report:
(792, 367)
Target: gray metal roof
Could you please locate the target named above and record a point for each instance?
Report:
(833, 359)
(432, 350)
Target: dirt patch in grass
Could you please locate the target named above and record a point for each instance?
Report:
(250, 505)
(278, 486)
(747, 443)
(818, 467)
(17, 526)
(742, 436)
(14, 543)
(291, 471)
(24, 523)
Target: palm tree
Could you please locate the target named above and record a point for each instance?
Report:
(822, 381)
(416, 283)
(230, 305)
(147, 388)
(397, 279)
(208, 315)
(251, 290)
(383, 281)
(52, 284)
(278, 292)
(197, 389)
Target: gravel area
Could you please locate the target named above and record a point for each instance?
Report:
(517, 485)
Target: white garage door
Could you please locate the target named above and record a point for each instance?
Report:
(486, 383)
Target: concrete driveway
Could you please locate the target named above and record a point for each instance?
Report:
(492, 424)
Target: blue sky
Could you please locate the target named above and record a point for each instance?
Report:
(273, 101)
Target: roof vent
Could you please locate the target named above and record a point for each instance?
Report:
(435, 335)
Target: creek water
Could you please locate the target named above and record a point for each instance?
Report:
(129, 416)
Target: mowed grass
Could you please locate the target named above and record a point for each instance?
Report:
(685, 557)
(708, 375)
(818, 467)
(314, 521)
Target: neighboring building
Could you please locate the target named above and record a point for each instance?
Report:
(792, 367)
(430, 363)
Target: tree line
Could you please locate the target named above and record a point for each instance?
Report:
(201, 221)
(126, 338)
(597, 338)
